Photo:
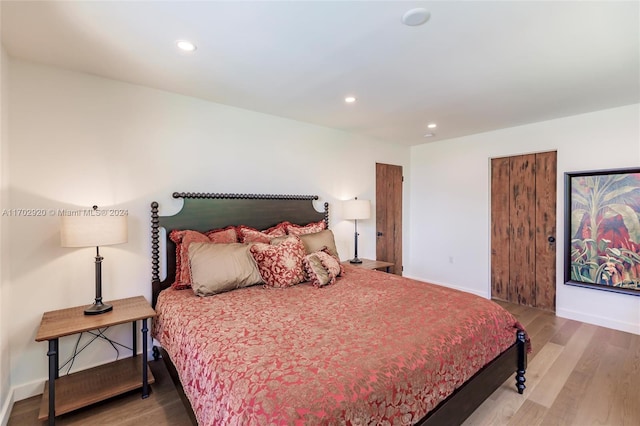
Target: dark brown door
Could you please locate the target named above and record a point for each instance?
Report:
(523, 229)
(389, 215)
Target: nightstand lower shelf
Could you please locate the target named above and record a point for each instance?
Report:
(96, 384)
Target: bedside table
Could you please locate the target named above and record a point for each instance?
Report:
(371, 264)
(67, 393)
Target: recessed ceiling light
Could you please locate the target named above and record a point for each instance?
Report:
(429, 135)
(185, 45)
(350, 99)
(415, 17)
(432, 125)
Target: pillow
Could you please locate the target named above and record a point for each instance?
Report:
(280, 265)
(226, 235)
(183, 238)
(216, 268)
(322, 268)
(310, 228)
(315, 242)
(316, 272)
(246, 234)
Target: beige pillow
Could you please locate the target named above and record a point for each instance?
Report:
(316, 241)
(216, 268)
(322, 268)
(317, 273)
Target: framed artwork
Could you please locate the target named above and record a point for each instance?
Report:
(602, 230)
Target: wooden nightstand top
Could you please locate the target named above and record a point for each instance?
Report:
(371, 264)
(64, 322)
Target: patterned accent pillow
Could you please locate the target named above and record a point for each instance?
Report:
(183, 238)
(310, 228)
(246, 234)
(322, 268)
(280, 265)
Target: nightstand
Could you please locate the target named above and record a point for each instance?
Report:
(371, 264)
(67, 393)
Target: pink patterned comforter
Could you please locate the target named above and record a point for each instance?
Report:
(372, 348)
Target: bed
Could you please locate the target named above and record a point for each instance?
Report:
(368, 348)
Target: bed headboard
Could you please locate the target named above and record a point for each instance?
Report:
(205, 211)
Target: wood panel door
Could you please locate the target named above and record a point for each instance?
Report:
(389, 215)
(523, 228)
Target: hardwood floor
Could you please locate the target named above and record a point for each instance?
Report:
(163, 407)
(578, 374)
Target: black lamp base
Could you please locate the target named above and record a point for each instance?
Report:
(98, 308)
(355, 260)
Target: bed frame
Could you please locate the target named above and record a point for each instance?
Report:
(206, 211)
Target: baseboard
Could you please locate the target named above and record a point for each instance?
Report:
(599, 321)
(28, 390)
(18, 393)
(6, 409)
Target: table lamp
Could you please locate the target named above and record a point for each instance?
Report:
(355, 210)
(92, 228)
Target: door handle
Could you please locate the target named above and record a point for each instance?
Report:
(379, 234)
(551, 239)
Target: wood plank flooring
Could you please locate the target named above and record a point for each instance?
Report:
(578, 374)
(163, 407)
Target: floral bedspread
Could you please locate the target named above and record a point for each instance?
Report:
(373, 348)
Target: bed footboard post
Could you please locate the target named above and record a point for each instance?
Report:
(522, 361)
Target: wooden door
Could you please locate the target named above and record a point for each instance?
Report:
(523, 220)
(389, 215)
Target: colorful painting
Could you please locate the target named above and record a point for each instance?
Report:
(602, 244)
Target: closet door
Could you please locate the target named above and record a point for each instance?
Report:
(523, 217)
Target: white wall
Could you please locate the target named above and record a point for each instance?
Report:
(450, 207)
(5, 399)
(78, 140)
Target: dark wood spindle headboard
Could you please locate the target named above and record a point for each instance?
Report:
(206, 211)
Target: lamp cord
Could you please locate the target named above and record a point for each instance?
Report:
(96, 335)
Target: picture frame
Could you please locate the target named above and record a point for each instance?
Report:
(607, 201)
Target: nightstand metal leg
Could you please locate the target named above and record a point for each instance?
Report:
(53, 375)
(134, 336)
(145, 383)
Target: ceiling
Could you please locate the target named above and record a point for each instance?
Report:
(475, 66)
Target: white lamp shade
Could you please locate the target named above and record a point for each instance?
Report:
(356, 209)
(93, 231)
